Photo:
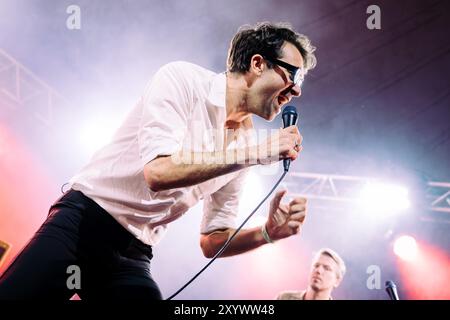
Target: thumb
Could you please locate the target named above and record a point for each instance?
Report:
(277, 199)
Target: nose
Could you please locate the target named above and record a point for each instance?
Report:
(296, 91)
(318, 270)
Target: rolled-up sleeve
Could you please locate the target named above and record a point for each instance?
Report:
(220, 208)
(165, 115)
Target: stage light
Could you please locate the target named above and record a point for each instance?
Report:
(251, 195)
(405, 247)
(384, 198)
(427, 277)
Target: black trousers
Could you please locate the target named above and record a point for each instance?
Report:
(80, 249)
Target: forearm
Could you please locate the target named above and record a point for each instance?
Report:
(245, 240)
(187, 169)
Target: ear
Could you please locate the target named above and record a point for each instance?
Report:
(257, 64)
(338, 282)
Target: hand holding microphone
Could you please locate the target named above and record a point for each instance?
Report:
(285, 144)
(290, 117)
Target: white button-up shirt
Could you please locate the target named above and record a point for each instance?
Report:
(182, 103)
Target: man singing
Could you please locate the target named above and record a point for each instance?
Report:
(154, 170)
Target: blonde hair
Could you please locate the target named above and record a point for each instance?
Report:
(333, 255)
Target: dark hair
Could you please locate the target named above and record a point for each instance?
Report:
(266, 38)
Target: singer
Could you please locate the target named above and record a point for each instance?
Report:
(120, 203)
(327, 271)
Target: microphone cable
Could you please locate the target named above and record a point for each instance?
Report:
(230, 239)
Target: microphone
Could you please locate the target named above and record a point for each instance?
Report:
(391, 289)
(289, 116)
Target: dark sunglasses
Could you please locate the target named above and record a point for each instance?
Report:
(296, 75)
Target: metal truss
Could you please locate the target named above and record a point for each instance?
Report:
(438, 196)
(338, 191)
(21, 89)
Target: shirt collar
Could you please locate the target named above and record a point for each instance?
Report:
(303, 295)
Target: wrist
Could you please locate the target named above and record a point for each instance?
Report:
(265, 234)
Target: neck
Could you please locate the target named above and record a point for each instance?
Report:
(312, 294)
(236, 100)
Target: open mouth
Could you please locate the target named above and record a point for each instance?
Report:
(282, 100)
